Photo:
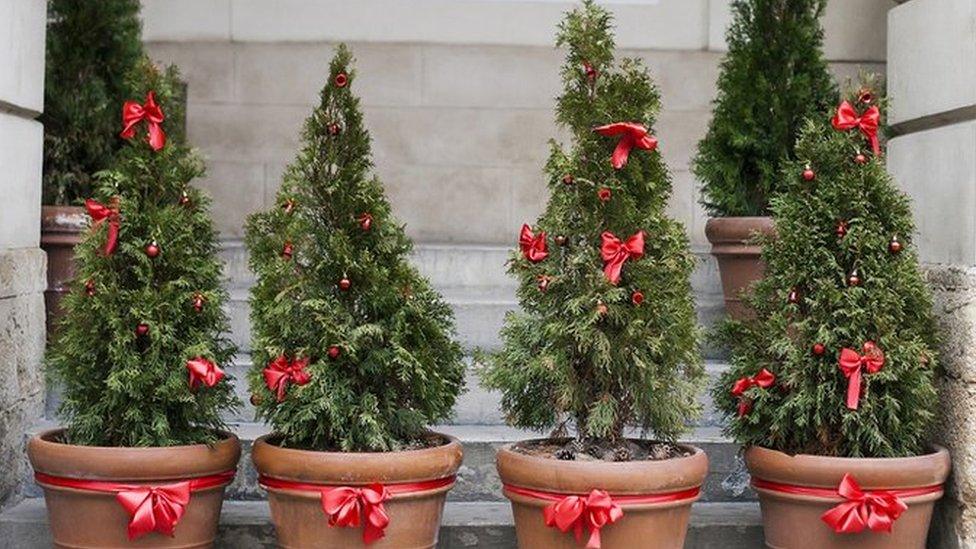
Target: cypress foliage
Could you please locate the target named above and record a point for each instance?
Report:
(842, 274)
(367, 344)
(773, 77)
(585, 351)
(121, 388)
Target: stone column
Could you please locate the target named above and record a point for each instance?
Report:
(932, 84)
(22, 263)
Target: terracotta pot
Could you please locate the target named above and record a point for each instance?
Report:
(792, 521)
(643, 526)
(84, 518)
(61, 230)
(300, 520)
(739, 260)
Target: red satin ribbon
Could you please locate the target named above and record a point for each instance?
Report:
(203, 371)
(100, 212)
(876, 510)
(350, 506)
(847, 119)
(631, 135)
(280, 372)
(763, 379)
(615, 253)
(152, 113)
(594, 510)
(156, 508)
(852, 363)
(534, 247)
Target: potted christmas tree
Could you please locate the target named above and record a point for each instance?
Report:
(773, 76)
(353, 350)
(608, 338)
(831, 385)
(144, 454)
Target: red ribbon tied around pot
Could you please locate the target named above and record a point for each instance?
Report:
(347, 507)
(133, 113)
(763, 379)
(852, 363)
(876, 510)
(100, 212)
(154, 509)
(631, 135)
(577, 512)
(533, 246)
(847, 119)
(615, 252)
(203, 371)
(281, 371)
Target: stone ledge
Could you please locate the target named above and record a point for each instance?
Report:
(23, 271)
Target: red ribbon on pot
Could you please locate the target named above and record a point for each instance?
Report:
(280, 372)
(99, 213)
(533, 246)
(847, 119)
(203, 371)
(615, 252)
(631, 135)
(157, 508)
(133, 113)
(852, 363)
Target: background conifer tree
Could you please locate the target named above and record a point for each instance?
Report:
(139, 351)
(353, 350)
(589, 349)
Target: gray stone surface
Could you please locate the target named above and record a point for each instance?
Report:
(20, 155)
(22, 55)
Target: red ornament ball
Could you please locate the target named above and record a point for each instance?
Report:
(794, 296)
(590, 71)
(366, 222)
(841, 230)
(544, 281)
(256, 399)
(894, 246)
(568, 179)
(601, 309)
(854, 279)
(288, 206)
(637, 297)
(860, 158)
(865, 96)
(345, 284)
(184, 199)
(287, 250)
(198, 302)
(334, 129)
(808, 174)
(334, 352)
(90, 287)
(819, 349)
(152, 250)
(604, 194)
(142, 330)
(561, 240)
(341, 80)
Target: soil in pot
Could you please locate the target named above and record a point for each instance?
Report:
(796, 491)
(61, 230)
(84, 487)
(644, 503)
(408, 488)
(739, 258)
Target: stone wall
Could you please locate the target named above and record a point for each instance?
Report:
(22, 263)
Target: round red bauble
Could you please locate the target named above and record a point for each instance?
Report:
(604, 194)
(341, 80)
(184, 199)
(345, 284)
(808, 174)
(854, 279)
(256, 399)
(288, 206)
(142, 330)
(637, 297)
(90, 287)
(334, 352)
(794, 296)
(865, 96)
(544, 281)
(894, 246)
(287, 250)
(591, 72)
(841, 230)
(198, 302)
(601, 309)
(334, 129)
(819, 349)
(152, 250)
(568, 179)
(560, 240)
(860, 158)
(366, 222)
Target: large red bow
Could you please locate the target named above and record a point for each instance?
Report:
(631, 135)
(851, 363)
(764, 379)
(280, 372)
(156, 508)
(534, 247)
(100, 212)
(876, 510)
(847, 118)
(346, 506)
(594, 511)
(203, 371)
(615, 253)
(133, 113)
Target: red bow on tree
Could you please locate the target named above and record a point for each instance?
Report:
(533, 246)
(615, 253)
(154, 509)
(203, 371)
(851, 363)
(876, 510)
(346, 506)
(100, 212)
(631, 135)
(280, 372)
(133, 113)
(847, 118)
(764, 379)
(594, 511)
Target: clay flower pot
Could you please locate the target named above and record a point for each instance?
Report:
(117, 497)
(349, 499)
(647, 500)
(61, 230)
(795, 492)
(739, 259)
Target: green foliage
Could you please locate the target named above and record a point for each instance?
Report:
(563, 361)
(399, 368)
(805, 411)
(773, 77)
(124, 390)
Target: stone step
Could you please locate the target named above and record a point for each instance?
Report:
(477, 478)
(475, 525)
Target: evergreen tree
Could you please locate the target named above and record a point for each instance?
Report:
(843, 325)
(773, 77)
(607, 338)
(139, 349)
(353, 350)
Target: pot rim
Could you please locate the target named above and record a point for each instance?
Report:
(266, 439)
(47, 435)
(736, 229)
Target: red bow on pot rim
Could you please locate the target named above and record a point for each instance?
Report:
(133, 113)
(99, 213)
(631, 135)
(280, 372)
(847, 119)
(533, 246)
(203, 371)
(852, 363)
(615, 252)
